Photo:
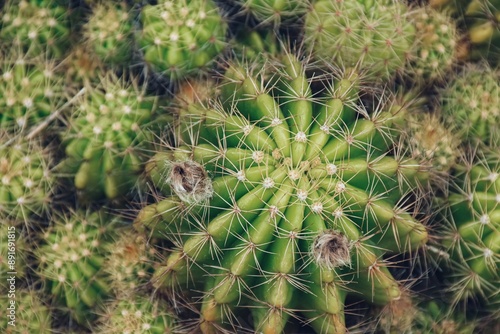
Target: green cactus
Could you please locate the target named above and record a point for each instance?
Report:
(109, 33)
(13, 256)
(470, 233)
(30, 314)
(374, 36)
(82, 67)
(437, 45)
(29, 92)
(107, 139)
(481, 20)
(274, 12)
(471, 104)
(26, 181)
(180, 37)
(139, 315)
(250, 44)
(278, 200)
(71, 261)
(35, 26)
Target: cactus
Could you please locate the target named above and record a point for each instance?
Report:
(278, 199)
(13, 256)
(107, 138)
(274, 12)
(470, 233)
(481, 20)
(471, 104)
(82, 67)
(374, 36)
(252, 44)
(29, 92)
(180, 37)
(36, 26)
(30, 314)
(26, 181)
(71, 258)
(437, 45)
(130, 262)
(109, 33)
(138, 315)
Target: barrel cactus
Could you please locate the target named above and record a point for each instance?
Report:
(26, 182)
(375, 36)
(180, 37)
(71, 260)
(36, 26)
(107, 138)
(471, 104)
(109, 33)
(281, 203)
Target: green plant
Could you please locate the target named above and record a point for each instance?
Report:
(281, 201)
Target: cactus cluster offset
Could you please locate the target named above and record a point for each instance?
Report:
(107, 140)
(180, 37)
(109, 33)
(35, 26)
(471, 229)
(375, 36)
(281, 203)
(26, 182)
(71, 261)
(471, 104)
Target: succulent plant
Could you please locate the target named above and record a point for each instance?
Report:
(471, 104)
(437, 45)
(82, 67)
(281, 203)
(470, 229)
(274, 12)
(28, 315)
(374, 36)
(35, 26)
(109, 33)
(29, 92)
(71, 261)
(107, 139)
(138, 315)
(180, 37)
(26, 181)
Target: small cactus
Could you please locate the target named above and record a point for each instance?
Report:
(471, 104)
(35, 26)
(180, 37)
(26, 181)
(71, 261)
(107, 138)
(374, 36)
(274, 12)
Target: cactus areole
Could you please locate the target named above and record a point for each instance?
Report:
(307, 195)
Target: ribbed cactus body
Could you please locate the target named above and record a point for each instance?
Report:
(26, 181)
(71, 261)
(107, 139)
(180, 37)
(471, 233)
(274, 12)
(373, 36)
(109, 33)
(282, 200)
(35, 26)
(471, 104)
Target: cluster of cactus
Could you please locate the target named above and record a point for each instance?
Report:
(269, 166)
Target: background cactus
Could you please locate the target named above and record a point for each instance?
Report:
(374, 36)
(71, 258)
(471, 104)
(36, 26)
(107, 138)
(274, 12)
(180, 37)
(26, 179)
(299, 197)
